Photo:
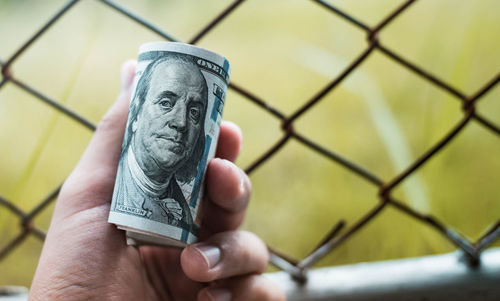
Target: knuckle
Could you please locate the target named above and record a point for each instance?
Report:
(98, 183)
(260, 288)
(253, 251)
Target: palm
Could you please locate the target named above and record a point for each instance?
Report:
(145, 273)
(161, 263)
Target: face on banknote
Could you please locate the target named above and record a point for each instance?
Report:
(174, 107)
(172, 129)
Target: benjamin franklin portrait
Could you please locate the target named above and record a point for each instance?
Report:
(164, 140)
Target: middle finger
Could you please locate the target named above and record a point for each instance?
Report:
(228, 193)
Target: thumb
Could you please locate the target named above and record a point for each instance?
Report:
(104, 148)
(91, 182)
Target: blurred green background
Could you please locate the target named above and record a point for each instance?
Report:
(382, 116)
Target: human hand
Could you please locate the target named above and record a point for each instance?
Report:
(84, 257)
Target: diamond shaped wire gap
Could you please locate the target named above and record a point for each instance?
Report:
(33, 71)
(382, 110)
(437, 45)
(28, 24)
(261, 56)
(461, 182)
(314, 195)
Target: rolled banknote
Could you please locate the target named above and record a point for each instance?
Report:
(171, 135)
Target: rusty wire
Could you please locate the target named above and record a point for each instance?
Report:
(337, 235)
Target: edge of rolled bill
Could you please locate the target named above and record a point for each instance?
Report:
(171, 134)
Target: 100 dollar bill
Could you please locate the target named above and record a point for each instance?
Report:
(171, 134)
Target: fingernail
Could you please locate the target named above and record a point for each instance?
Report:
(219, 294)
(211, 254)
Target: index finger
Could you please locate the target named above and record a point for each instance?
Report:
(91, 182)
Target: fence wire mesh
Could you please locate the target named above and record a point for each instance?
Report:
(335, 237)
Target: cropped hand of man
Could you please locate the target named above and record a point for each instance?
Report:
(86, 258)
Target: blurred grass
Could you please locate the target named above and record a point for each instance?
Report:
(382, 116)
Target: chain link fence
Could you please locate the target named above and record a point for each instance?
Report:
(340, 232)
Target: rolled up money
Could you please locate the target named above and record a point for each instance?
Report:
(171, 135)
